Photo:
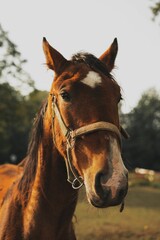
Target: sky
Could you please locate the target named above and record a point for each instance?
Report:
(88, 25)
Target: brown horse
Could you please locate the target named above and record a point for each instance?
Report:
(8, 174)
(76, 137)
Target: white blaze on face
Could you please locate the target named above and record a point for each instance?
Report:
(92, 79)
(117, 168)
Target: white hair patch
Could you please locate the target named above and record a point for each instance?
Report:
(92, 79)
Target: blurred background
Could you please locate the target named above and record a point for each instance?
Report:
(91, 25)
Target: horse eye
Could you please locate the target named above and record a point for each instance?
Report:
(66, 97)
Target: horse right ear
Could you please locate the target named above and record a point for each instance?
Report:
(109, 56)
(54, 59)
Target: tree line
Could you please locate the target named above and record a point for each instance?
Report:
(16, 109)
(17, 112)
(16, 116)
(142, 149)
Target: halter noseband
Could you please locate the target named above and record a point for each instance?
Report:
(71, 135)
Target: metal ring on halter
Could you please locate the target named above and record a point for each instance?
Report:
(78, 180)
(72, 175)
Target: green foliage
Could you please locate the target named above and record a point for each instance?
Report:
(143, 124)
(156, 9)
(11, 64)
(10, 102)
(17, 113)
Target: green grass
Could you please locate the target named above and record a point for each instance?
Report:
(139, 220)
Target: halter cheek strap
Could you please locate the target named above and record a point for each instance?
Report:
(72, 175)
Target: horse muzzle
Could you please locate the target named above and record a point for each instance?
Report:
(106, 194)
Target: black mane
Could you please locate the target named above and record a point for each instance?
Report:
(37, 132)
(30, 163)
(93, 62)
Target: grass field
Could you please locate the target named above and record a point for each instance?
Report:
(140, 219)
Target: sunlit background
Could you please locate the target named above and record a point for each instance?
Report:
(88, 25)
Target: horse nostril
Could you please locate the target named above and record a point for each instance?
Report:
(98, 179)
(98, 185)
(100, 190)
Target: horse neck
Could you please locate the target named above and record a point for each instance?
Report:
(52, 200)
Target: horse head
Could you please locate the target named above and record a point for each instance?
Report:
(83, 107)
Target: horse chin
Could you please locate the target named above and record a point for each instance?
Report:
(98, 202)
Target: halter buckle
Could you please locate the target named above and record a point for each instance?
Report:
(70, 139)
(77, 183)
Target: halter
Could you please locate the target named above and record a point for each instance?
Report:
(71, 136)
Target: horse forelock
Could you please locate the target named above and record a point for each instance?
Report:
(86, 68)
(92, 62)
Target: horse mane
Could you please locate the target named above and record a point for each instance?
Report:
(31, 162)
(93, 62)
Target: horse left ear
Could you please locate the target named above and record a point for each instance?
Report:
(109, 56)
(54, 59)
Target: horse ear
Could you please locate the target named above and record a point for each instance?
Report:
(54, 59)
(109, 56)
